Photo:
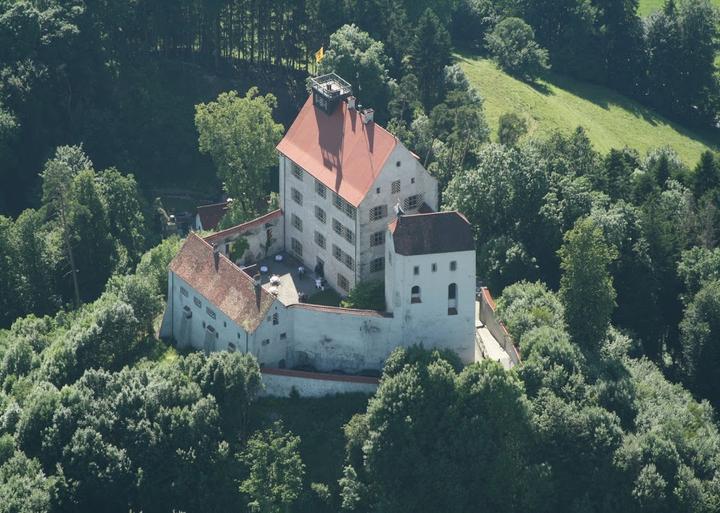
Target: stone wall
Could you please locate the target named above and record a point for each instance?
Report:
(329, 338)
(495, 326)
(280, 382)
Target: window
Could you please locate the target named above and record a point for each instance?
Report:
(343, 205)
(296, 196)
(412, 202)
(265, 342)
(415, 295)
(397, 164)
(184, 291)
(343, 282)
(320, 215)
(452, 299)
(377, 239)
(453, 265)
(378, 212)
(197, 302)
(377, 265)
(296, 171)
(395, 187)
(320, 189)
(416, 270)
(283, 336)
(276, 319)
(412, 180)
(343, 257)
(186, 312)
(377, 190)
(433, 267)
(231, 347)
(211, 313)
(296, 247)
(320, 239)
(297, 223)
(343, 231)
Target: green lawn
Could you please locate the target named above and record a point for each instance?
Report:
(649, 6)
(610, 119)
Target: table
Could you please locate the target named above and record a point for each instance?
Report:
(263, 269)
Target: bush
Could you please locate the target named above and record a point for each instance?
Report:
(367, 295)
(512, 45)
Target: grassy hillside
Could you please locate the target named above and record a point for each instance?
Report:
(649, 6)
(611, 120)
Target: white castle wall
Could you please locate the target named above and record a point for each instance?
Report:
(338, 338)
(403, 166)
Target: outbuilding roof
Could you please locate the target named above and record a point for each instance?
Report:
(437, 232)
(211, 215)
(222, 283)
(339, 150)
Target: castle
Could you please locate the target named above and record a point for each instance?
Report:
(355, 205)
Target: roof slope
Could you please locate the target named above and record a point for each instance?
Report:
(339, 150)
(225, 286)
(211, 215)
(438, 232)
(240, 229)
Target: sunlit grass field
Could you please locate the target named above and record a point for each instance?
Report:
(557, 102)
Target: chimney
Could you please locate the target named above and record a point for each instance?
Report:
(351, 102)
(367, 116)
(216, 255)
(257, 282)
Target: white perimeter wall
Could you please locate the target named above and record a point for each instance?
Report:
(281, 386)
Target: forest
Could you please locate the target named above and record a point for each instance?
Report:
(606, 265)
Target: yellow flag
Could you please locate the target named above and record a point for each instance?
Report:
(320, 54)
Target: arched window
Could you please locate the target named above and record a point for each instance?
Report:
(452, 299)
(415, 295)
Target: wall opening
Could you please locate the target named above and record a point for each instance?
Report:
(452, 299)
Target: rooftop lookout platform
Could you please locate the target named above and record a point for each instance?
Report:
(281, 275)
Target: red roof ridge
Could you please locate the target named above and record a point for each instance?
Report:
(244, 226)
(340, 309)
(323, 376)
(208, 205)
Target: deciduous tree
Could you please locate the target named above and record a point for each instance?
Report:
(586, 287)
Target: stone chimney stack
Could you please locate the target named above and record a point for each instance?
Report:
(216, 255)
(367, 116)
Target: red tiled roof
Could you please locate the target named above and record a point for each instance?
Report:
(438, 232)
(210, 215)
(228, 288)
(320, 375)
(242, 228)
(338, 149)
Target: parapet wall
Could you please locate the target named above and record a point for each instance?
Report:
(495, 326)
(280, 382)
